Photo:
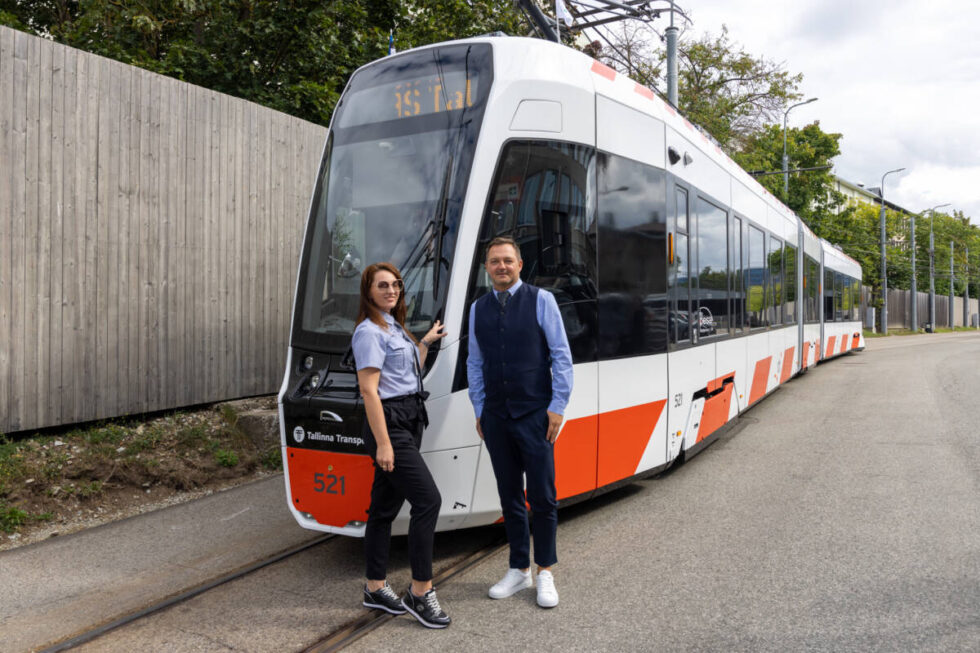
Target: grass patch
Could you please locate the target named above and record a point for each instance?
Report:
(226, 458)
(110, 464)
(12, 518)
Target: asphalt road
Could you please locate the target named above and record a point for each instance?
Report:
(841, 514)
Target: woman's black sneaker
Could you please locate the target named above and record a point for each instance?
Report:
(426, 609)
(383, 599)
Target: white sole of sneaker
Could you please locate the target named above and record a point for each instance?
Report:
(503, 594)
(423, 621)
(378, 606)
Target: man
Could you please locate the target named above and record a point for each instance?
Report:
(520, 376)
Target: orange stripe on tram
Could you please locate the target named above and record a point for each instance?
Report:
(856, 341)
(759, 379)
(716, 408)
(830, 346)
(603, 70)
(575, 453)
(787, 365)
(806, 354)
(623, 437)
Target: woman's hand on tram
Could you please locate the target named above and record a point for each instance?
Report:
(479, 429)
(437, 332)
(385, 457)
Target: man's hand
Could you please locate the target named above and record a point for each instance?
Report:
(554, 426)
(479, 429)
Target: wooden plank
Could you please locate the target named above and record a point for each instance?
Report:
(130, 301)
(148, 372)
(28, 257)
(49, 403)
(8, 154)
(107, 193)
(86, 282)
(171, 118)
(238, 383)
(198, 221)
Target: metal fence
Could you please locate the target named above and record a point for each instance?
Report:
(149, 238)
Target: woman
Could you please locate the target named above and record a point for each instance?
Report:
(388, 363)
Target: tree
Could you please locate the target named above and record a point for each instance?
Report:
(293, 56)
(720, 87)
(812, 195)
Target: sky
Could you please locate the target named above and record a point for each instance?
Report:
(900, 80)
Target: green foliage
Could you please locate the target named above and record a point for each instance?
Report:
(226, 458)
(272, 458)
(295, 57)
(11, 518)
(811, 194)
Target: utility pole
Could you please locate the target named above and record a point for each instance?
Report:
(884, 258)
(785, 157)
(966, 291)
(915, 287)
(671, 33)
(932, 269)
(951, 279)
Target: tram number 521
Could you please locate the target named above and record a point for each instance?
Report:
(329, 483)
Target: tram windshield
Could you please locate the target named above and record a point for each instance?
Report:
(391, 188)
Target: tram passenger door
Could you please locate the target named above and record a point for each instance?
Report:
(690, 363)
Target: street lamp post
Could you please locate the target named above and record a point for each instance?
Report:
(884, 260)
(932, 269)
(952, 278)
(786, 158)
(915, 285)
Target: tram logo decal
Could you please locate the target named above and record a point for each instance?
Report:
(300, 434)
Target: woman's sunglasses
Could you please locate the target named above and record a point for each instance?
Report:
(384, 285)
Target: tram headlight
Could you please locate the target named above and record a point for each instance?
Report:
(307, 362)
(314, 381)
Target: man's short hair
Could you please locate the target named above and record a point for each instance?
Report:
(502, 240)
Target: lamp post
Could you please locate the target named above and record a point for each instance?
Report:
(884, 259)
(786, 158)
(952, 278)
(915, 285)
(932, 271)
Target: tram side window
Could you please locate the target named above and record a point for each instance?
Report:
(775, 281)
(839, 306)
(679, 273)
(829, 315)
(737, 278)
(789, 284)
(712, 239)
(632, 257)
(856, 299)
(757, 277)
(543, 197)
(845, 298)
(812, 290)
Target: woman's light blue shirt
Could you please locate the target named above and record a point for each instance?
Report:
(390, 351)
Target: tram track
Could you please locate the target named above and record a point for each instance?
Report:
(350, 633)
(333, 641)
(125, 620)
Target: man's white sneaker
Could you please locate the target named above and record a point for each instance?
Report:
(513, 582)
(547, 594)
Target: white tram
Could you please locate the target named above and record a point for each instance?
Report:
(688, 291)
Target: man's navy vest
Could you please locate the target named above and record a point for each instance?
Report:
(516, 358)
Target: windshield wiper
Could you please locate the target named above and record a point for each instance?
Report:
(440, 226)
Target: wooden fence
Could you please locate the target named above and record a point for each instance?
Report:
(149, 238)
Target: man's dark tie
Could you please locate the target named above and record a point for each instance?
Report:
(502, 297)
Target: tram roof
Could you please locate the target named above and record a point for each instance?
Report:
(551, 61)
